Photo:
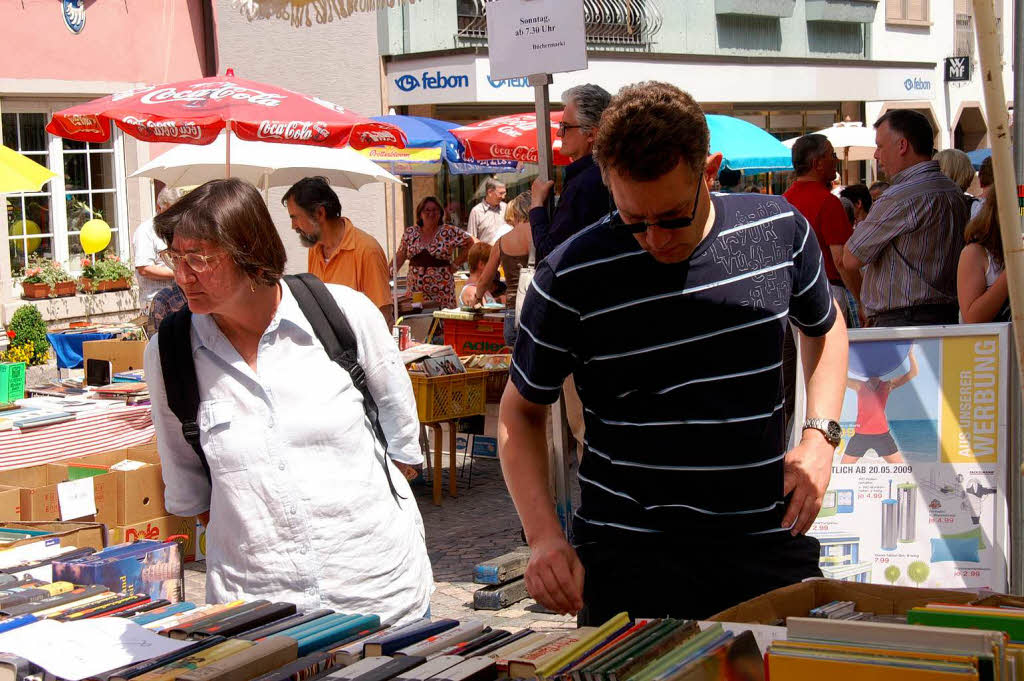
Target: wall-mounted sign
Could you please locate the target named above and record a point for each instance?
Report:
(73, 12)
(958, 68)
(526, 37)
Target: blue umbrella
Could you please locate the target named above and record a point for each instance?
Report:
(978, 157)
(747, 147)
(427, 133)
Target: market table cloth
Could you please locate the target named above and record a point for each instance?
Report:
(68, 347)
(91, 432)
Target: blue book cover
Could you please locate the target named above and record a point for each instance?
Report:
(152, 568)
(387, 645)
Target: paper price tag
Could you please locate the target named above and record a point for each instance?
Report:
(77, 498)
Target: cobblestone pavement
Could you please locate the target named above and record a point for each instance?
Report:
(481, 523)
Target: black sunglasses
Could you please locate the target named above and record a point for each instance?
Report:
(674, 223)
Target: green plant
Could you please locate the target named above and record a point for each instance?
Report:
(110, 268)
(29, 331)
(45, 271)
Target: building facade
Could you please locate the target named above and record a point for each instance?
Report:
(788, 66)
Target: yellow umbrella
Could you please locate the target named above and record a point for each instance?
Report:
(21, 174)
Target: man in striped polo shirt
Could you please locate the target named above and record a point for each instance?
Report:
(912, 238)
(670, 313)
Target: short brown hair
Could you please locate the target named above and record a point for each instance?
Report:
(478, 253)
(423, 204)
(648, 128)
(231, 214)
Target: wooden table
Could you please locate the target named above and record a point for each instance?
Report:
(453, 427)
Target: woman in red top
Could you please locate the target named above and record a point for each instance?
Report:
(872, 429)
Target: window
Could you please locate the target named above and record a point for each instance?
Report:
(907, 12)
(90, 185)
(963, 28)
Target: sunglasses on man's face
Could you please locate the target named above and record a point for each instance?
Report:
(673, 223)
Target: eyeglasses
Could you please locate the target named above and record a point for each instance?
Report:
(674, 223)
(197, 262)
(562, 127)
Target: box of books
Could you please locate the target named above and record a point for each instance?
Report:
(79, 535)
(143, 567)
(798, 600)
(43, 486)
(137, 489)
(166, 528)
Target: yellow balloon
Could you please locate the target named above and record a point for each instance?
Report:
(27, 227)
(95, 236)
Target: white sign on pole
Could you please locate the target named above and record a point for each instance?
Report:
(526, 37)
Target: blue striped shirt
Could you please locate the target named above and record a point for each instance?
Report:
(678, 366)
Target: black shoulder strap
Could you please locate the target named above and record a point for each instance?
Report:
(336, 335)
(179, 373)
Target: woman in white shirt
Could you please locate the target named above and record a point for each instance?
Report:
(301, 508)
(981, 276)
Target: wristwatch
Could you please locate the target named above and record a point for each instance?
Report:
(832, 431)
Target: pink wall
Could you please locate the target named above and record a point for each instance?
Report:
(147, 41)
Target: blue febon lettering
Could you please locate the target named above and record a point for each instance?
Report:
(440, 81)
(508, 82)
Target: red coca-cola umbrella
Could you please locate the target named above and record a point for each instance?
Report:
(196, 111)
(508, 138)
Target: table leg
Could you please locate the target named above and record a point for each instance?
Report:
(453, 428)
(437, 463)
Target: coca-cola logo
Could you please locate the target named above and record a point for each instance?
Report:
(384, 137)
(198, 96)
(125, 94)
(520, 153)
(293, 131)
(84, 122)
(327, 105)
(168, 129)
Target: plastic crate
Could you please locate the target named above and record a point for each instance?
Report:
(497, 379)
(443, 398)
(475, 337)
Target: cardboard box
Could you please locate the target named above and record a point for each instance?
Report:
(10, 503)
(160, 529)
(136, 495)
(797, 600)
(39, 498)
(123, 355)
(79, 535)
(12, 381)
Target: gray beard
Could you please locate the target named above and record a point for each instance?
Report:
(308, 240)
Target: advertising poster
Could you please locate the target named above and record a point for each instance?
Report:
(918, 489)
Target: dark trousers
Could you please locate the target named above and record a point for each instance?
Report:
(690, 577)
(919, 315)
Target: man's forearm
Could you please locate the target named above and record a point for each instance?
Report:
(825, 367)
(522, 446)
(852, 280)
(158, 272)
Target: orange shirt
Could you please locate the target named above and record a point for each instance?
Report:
(359, 263)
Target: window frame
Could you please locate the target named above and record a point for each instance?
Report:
(56, 188)
(903, 20)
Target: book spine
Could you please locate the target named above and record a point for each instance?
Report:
(329, 637)
(318, 624)
(144, 607)
(272, 612)
(261, 658)
(131, 671)
(199, 660)
(432, 644)
(308, 667)
(161, 613)
(186, 632)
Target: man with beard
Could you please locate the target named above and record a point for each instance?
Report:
(339, 252)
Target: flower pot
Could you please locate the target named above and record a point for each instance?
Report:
(34, 291)
(102, 286)
(65, 288)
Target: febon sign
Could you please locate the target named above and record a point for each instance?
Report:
(431, 81)
(918, 84)
(508, 82)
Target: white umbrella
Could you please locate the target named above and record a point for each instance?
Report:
(851, 140)
(265, 164)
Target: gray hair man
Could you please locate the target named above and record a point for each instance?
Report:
(487, 219)
(584, 197)
(151, 273)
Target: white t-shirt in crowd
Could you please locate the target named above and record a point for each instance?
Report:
(145, 246)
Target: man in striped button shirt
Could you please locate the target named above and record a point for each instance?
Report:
(912, 238)
(670, 314)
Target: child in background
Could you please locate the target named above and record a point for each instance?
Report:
(477, 260)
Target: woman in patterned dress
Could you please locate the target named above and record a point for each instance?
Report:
(434, 250)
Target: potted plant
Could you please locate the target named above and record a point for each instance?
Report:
(46, 278)
(105, 274)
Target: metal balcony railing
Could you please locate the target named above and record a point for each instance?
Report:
(608, 22)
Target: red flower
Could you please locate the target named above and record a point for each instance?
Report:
(11, 335)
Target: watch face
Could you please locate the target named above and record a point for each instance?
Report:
(835, 431)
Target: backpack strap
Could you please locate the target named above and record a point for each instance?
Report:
(335, 334)
(179, 373)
